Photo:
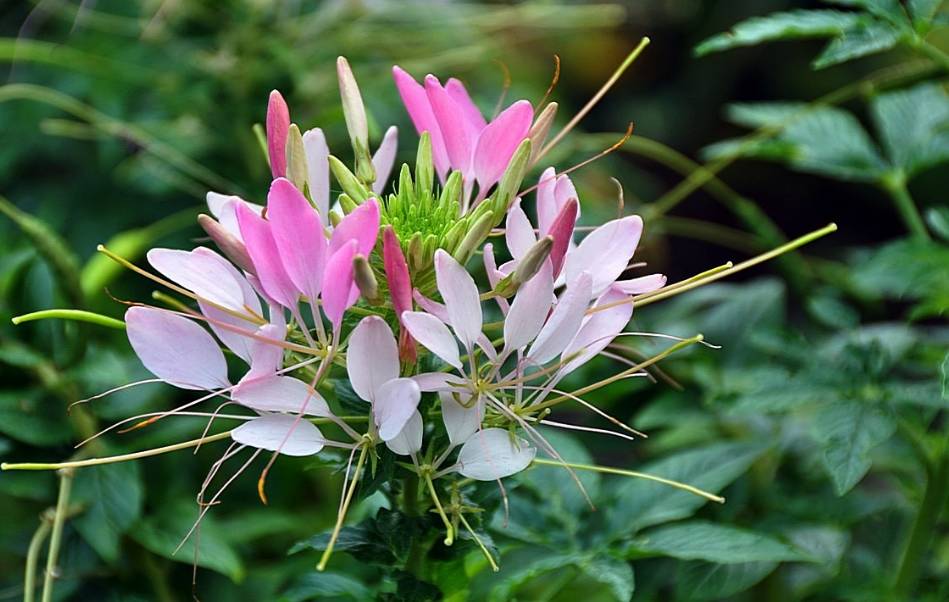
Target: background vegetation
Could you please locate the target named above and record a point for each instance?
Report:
(821, 419)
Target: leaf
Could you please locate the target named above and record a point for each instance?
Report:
(26, 416)
(848, 431)
(914, 126)
(889, 10)
(637, 503)
(521, 567)
(865, 41)
(113, 498)
(318, 586)
(700, 540)
(923, 12)
(384, 539)
(782, 26)
(616, 574)
(825, 543)
(161, 534)
(696, 580)
(912, 269)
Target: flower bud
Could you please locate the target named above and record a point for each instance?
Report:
(511, 180)
(533, 259)
(365, 280)
(296, 158)
(355, 114)
(476, 234)
(278, 122)
(347, 204)
(230, 245)
(348, 181)
(540, 129)
(424, 167)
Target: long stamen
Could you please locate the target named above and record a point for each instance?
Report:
(342, 514)
(595, 409)
(449, 532)
(484, 549)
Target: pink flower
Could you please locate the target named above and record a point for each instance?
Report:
(400, 288)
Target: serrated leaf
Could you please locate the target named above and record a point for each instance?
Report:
(848, 431)
(700, 540)
(914, 126)
(905, 269)
(616, 574)
(782, 26)
(112, 495)
(697, 580)
(870, 39)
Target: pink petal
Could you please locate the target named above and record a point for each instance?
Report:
(263, 252)
(203, 272)
(432, 334)
(462, 300)
(643, 284)
(518, 231)
(433, 307)
(384, 158)
(397, 272)
(275, 431)
(281, 394)
(361, 225)
(266, 357)
(564, 321)
(605, 252)
(472, 114)
(499, 140)
(394, 404)
(490, 454)
(562, 232)
(459, 144)
(546, 202)
(460, 422)
(564, 191)
(239, 343)
(420, 111)
(494, 275)
(175, 349)
(278, 124)
(599, 330)
(298, 233)
(529, 309)
(338, 283)
(318, 169)
(224, 208)
(409, 441)
(372, 358)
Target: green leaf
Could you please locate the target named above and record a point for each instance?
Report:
(923, 12)
(889, 10)
(637, 504)
(616, 574)
(938, 220)
(848, 431)
(696, 580)
(700, 540)
(873, 38)
(319, 586)
(782, 26)
(27, 416)
(521, 567)
(161, 534)
(825, 543)
(914, 126)
(113, 498)
(905, 269)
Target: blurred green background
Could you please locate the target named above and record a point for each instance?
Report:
(118, 116)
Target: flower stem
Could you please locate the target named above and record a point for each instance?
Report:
(895, 186)
(56, 538)
(32, 557)
(449, 532)
(342, 511)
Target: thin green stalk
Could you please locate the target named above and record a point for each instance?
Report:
(32, 557)
(342, 511)
(70, 314)
(449, 532)
(56, 538)
(895, 186)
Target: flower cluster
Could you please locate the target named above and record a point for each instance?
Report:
(369, 297)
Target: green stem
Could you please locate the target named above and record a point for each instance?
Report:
(342, 511)
(415, 561)
(56, 539)
(935, 499)
(32, 557)
(895, 186)
(70, 314)
(934, 54)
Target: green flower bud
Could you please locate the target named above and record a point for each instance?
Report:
(366, 280)
(296, 158)
(533, 259)
(540, 129)
(354, 111)
(348, 181)
(476, 234)
(511, 180)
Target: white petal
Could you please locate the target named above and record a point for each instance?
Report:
(318, 170)
(281, 394)
(642, 284)
(393, 406)
(491, 454)
(461, 296)
(563, 322)
(433, 335)
(409, 441)
(605, 252)
(271, 433)
(598, 330)
(529, 309)
(438, 381)
(460, 422)
(203, 272)
(518, 231)
(372, 358)
(175, 349)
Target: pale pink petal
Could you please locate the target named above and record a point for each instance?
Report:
(263, 252)
(462, 300)
(529, 309)
(491, 454)
(494, 275)
(298, 233)
(384, 158)
(432, 334)
(394, 404)
(224, 208)
(564, 321)
(433, 307)
(547, 207)
(420, 111)
(278, 431)
(338, 283)
(409, 441)
(562, 232)
(203, 272)
(518, 231)
(281, 394)
(605, 252)
(266, 357)
(361, 225)
(175, 349)
(240, 344)
(564, 191)
(278, 124)
(642, 284)
(460, 422)
(318, 169)
(451, 121)
(397, 272)
(499, 140)
(598, 330)
(438, 381)
(372, 357)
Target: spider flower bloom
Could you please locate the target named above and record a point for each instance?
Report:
(462, 140)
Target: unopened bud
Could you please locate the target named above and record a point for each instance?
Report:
(424, 167)
(415, 253)
(348, 181)
(366, 280)
(452, 190)
(540, 129)
(533, 260)
(230, 245)
(511, 180)
(347, 204)
(355, 114)
(476, 234)
(296, 158)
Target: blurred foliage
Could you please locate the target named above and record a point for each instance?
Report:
(822, 420)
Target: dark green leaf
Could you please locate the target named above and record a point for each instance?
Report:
(914, 126)
(26, 416)
(923, 12)
(847, 432)
(864, 41)
(696, 580)
(616, 574)
(700, 540)
(889, 10)
(112, 495)
(782, 26)
(321, 585)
